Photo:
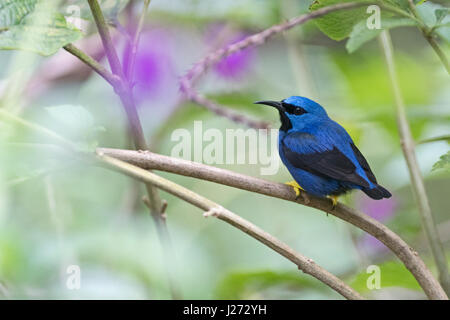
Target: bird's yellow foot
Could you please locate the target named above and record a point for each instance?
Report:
(334, 200)
(298, 189)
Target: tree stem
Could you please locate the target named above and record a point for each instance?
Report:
(417, 183)
(108, 44)
(112, 79)
(129, 68)
(432, 41)
(123, 89)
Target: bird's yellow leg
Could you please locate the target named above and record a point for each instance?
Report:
(296, 187)
(334, 199)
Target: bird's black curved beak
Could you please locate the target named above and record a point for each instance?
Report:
(275, 104)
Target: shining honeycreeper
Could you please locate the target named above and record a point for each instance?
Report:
(320, 155)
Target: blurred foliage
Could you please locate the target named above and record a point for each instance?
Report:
(34, 26)
(252, 284)
(337, 25)
(436, 16)
(361, 34)
(13, 11)
(443, 163)
(392, 274)
(354, 23)
(77, 123)
(56, 211)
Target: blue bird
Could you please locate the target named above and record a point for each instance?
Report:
(320, 155)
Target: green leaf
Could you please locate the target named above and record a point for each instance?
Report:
(13, 11)
(77, 123)
(43, 30)
(244, 284)
(72, 117)
(431, 12)
(440, 14)
(442, 23)
(337, 25)
(12, 255)
(392, 274)
(443, 163)
(361, 84)
(362, 34)
(402, 4)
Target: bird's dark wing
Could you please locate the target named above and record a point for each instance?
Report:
(305, 152)
(363, 162)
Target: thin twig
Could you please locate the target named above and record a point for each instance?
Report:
(123, 89)
(108, 44)
(404, 252)
(428, 34)
(211, 208)
(126, 96)
(226, 112)
(129, 68)
(259, 38)
(94, 64)
(445, 137)
(432, 41)
(418, 186)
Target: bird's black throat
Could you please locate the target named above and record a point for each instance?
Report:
(285, 122)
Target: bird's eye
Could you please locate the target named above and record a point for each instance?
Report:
(298, 111)
(291, 109)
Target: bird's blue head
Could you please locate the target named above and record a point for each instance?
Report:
(296, 110)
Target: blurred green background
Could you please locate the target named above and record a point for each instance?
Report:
(56, 211)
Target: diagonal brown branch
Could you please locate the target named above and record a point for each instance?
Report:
(303, 263)
(404, 252)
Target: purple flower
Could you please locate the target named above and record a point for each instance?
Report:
(378, 209)
(154, 71)
(236, 65)
(371, 244)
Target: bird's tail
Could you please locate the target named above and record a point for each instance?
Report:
(377, 193)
